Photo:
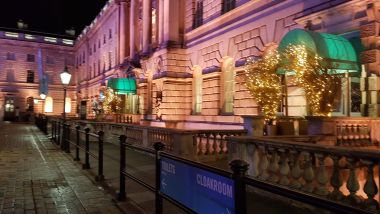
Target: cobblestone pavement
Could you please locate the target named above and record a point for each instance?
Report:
(36, 177)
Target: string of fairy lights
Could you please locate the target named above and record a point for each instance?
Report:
(112, 102)
(311, 72)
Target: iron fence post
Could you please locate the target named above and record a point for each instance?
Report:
(86, 165)
(158, 146)
(239, 168)
(59, 133)
(63, 139)
(68, 138)
(121, 196)
(77, 128)
(100, 176)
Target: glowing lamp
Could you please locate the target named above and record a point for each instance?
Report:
(43, 96)
(65, 77)
(35, 101)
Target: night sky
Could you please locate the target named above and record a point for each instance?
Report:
(50, 16)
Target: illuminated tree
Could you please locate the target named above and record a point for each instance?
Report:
(112, 102)
(315, 76)
(264, 84)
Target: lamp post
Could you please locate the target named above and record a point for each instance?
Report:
(65, 79)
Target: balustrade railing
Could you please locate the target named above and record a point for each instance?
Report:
(345, 175)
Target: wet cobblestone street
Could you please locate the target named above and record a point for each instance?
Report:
(36, 177)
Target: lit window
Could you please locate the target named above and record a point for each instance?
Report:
(197, 90)
(50, 39)
(28, 36)
(11, 34)
(68, 105)
(68, 41)
(49, 104)
(228, 82)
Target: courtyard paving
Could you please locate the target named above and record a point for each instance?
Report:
(36, 177)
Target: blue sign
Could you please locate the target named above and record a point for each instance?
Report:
(200, 190)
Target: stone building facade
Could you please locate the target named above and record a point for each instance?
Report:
(188, 56)
(26, 58)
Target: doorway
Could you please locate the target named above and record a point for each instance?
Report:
(9, 109)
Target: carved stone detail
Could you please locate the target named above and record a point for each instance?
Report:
(368, 56)
(368, 30)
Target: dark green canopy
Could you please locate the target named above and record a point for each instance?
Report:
(336, 49)
(122, 85)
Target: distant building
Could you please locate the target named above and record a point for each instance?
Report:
(21, 54)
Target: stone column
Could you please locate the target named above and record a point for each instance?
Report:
(132, 29)
(123, 30)
(370, 81)
(147, 25)
(161, 13)
(171, 21)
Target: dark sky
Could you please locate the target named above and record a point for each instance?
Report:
(50, 16)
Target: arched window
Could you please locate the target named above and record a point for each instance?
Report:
(227, 85)
(68, 105)
(49, 104)
(197, 90)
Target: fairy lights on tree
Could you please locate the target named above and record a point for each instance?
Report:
(315, 76)
(264, 84)
(112, 102)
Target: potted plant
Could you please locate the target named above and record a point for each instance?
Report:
(265, 87)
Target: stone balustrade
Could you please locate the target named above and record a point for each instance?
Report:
(346, 175)
(198, 144)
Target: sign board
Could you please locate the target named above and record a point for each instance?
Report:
(199, 190)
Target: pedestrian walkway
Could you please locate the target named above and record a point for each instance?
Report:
(36, 177)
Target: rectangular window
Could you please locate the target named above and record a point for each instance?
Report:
(198, 14)
(110, 33)
(90, 51)
(94, 69)
(94, 47)
(104, 39)
(228, 5)
(99, 67)
(49, 60)
(11, 56)
(30, 57)
(30, 76)
(84, 57)
(99, 43)
(109, 60)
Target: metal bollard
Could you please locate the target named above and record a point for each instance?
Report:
(158, 146)
(121, 196)
(239, 168)
(100, 176)
(86, 165)
(77, 128)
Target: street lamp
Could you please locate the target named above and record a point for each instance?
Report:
(43, 96)
(65, 79)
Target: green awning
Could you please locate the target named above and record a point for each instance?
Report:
(336, 49)
(122, 85)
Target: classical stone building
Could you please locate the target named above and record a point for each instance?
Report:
(30, 63)
(187, 56)
(183, 60)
